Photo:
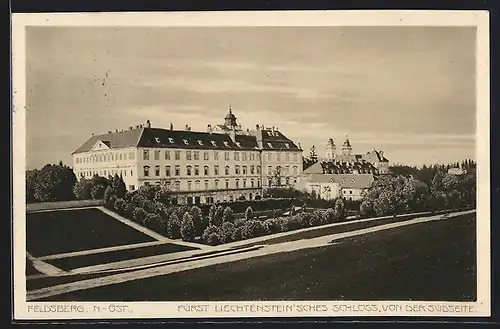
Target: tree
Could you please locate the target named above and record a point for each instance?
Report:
(339, 209)
(31, 181)
(54, 183)
(174, 226)
(118, 186)
(217, 220)
(187, 228)
(211, 215)
(82, 189)
(108, 192)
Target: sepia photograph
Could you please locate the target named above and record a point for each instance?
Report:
(229, 166)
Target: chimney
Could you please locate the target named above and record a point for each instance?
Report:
(187, 127)
(272, 128)
(92, 134)
(171, 126)
(116, 130)
(148, 124)
(257, 127)
(130, 128)
(209, 128)
(109, 131)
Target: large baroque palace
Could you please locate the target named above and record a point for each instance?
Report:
(224, 163)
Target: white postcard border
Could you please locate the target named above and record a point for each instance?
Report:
(24, 310)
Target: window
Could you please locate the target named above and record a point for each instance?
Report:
(287, 181)
(237, 183)
(131, 173)
(145, 155)
(157, 170)
(188, 170)
(269, 170)
(216, 183)
(350, 192)
(227, 183)
(157, 155)
(278, 170)
(185, 142)
(189, 186)
(205, 170)
(226, 144)
(131, 187)
(287, 156)
(206, 185)
(213, 143)
(167, 155)
(167, 171)
(244, 156)
(258, 183)
(200, 142)
(124, 173)
(197, 185)
(216, 155)
(205, 156)
(130, 156)
(258, 170)
(252, 169)
(295, 170)
(170, 140)
(226, 170)
(252, 183)
(258, 156)
(237, 156)
(287, 145)
(196, 155)
(216, 170)
(268, 156)
(146, 171)
(188, 155)
(177, 155)
(270, 183)
(244, 183)
(177, 185)
(104, 174)
(244, 170)
(287, 170)
(177, 170)
(252, 156)
(226, 156)
(197, 170)
(278, 156)
(270, 145)
(236, 170)
(295, 157)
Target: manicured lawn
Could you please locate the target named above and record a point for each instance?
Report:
(427, 261)
(55, 232)
(70, 263)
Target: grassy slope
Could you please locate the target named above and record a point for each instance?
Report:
(429, 261)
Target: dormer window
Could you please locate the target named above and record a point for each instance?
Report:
(287, 145)
(213, 143)
(185, 141)
(226, 143)
(238, 143)
(269, 133)
(270, 145)
(200, 142)
(171, 140)
(157, 140)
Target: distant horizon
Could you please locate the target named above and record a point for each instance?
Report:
(409, 91)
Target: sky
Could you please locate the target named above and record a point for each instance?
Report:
(409, 91)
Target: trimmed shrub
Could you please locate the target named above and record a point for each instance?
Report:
(339, 209)
(252, 228)
(119, 206)
(226, 232)
(227, 215)
(211, 235)
(317, 218)
(236, 236)
(139, 215)
(129, 210)
(239, 222)
(272, 225)
(198, 222)
(108, 192)
(249, 213)
(217, 220)
(330, 215)
(211, 215)
(156, 223)
(174, 227)
(187, 227)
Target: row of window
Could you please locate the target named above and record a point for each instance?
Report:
(214, 185)
(105, 173)
(282, 170)
(195, 170)
(105, 157)
(237, 156)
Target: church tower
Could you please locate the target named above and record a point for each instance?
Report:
(346, 147)
(330, 150)
(230, 120)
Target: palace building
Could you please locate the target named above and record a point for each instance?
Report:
(224, 163)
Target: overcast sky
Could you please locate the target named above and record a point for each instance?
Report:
(409, 91)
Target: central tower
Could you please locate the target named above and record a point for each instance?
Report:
(230, 120)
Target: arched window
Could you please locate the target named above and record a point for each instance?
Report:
(226, 170)
(205, 170)
(188, 170)
(146, 171)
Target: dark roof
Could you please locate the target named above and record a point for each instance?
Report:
(165, 138)
(275, 140)
(337, 167)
